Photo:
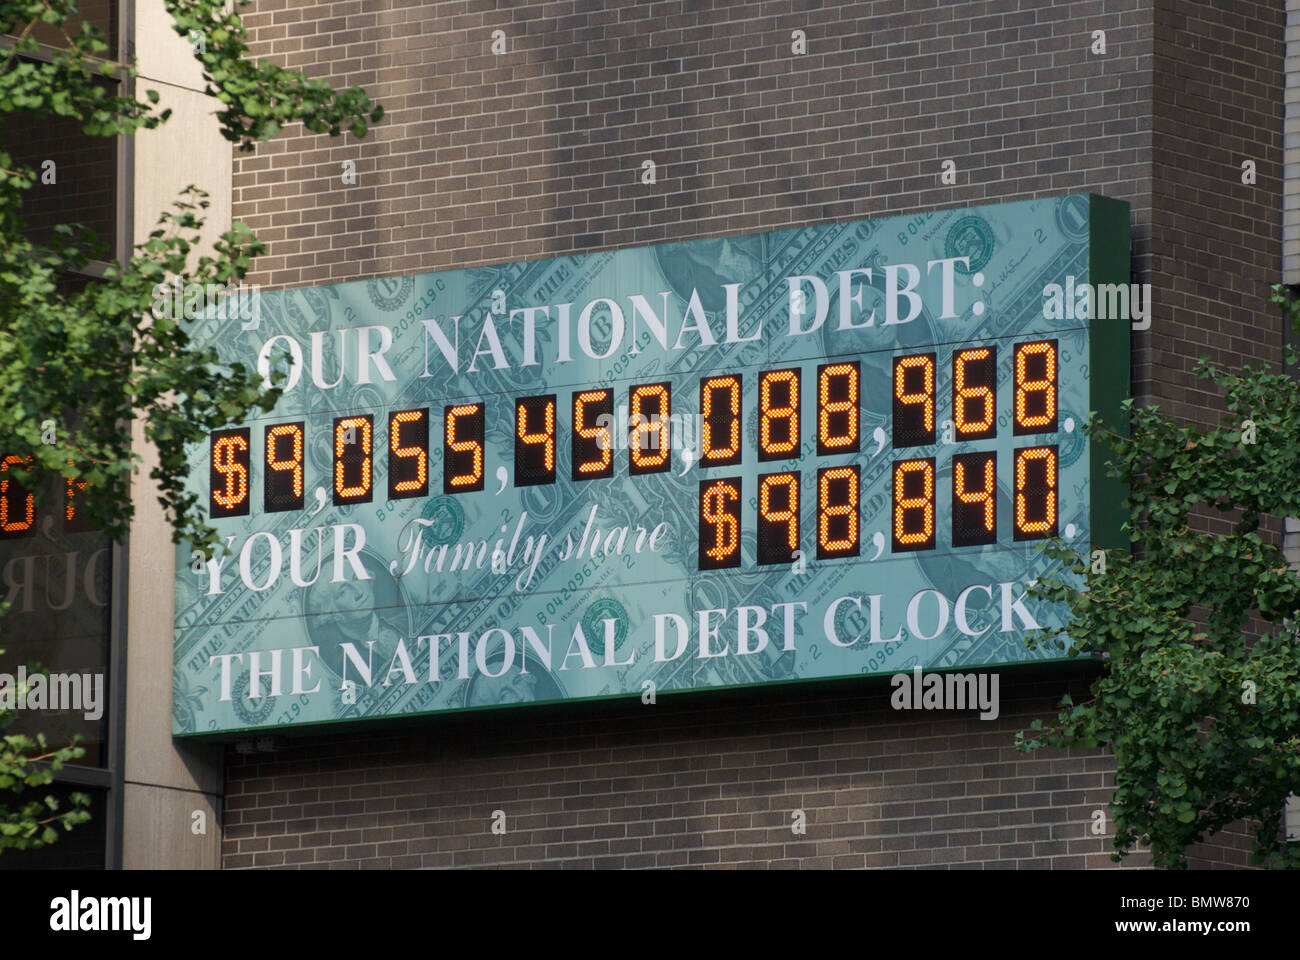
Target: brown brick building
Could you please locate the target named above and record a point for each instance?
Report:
(536, 152)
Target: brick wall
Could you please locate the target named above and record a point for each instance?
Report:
(711, 782)
(538, 153)
(1216, 243)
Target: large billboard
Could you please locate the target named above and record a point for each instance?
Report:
(824, 452)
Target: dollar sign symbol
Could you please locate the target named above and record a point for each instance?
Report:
(225, 461)
(726, 529)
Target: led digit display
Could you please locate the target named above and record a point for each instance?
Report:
(74, 519)
(650, 443)
(778, 517)
(974, 475)
(974, 499)
(1035, 493)
(914, 400)
(534, 441)
(1035, 388)
(720, 421)
(352, 459)
(282, 483)
(974, 389)
(462, 452)
(17, 505)
(536, 427)
(408, 454)
(593, 435)
(837, 512)
(719, 523)
(228, 476)
(914, 505)
(778, 415)
(837, 408)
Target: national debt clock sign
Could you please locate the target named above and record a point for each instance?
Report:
(825, 452)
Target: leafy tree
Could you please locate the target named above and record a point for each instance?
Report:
(1201, 712)
(95, 359)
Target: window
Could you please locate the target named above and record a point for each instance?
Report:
(65, 581)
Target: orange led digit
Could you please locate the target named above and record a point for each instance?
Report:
(914, 505)
(974, 375)
(72, 520)
(292, 464)
(352, 460)
(282, 485)
(228, 475)
(534, 441)
(778, 415)
(462, 450)
(720, 413)
(837, 512)
(778, 517)
(914, 400)
(837, 408)
(17, 506)
(593, 435)
(719, 524)
(1035, 388)
(650, 444)
(408, 454)
(1036, 491)
(974, 499)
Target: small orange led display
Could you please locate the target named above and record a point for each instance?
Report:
(462, 450)
(719, 523)
(650, 443)
(914, 400)
(778, 415)
(720, 416)
(778, 517)
(17, 505)
(534, 441)
(74, 520)
(228, 475)
(1035, 388)
(837, 408)
(974, 378)
(974, 499)
(1035, 495)
(837, 512)
(353, 438)
(282, 485)
(593, 434)
(913, 505)
(408, 454)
